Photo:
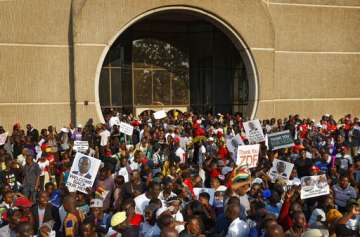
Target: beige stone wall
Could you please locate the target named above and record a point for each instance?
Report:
(307, 53)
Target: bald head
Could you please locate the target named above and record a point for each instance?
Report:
(169, 232)
(274, 231)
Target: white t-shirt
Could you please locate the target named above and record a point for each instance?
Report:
(141, 202)
(43, 166)
(181, 154)
(147, 230)
(238, 228)
(123, 172)
(104, 137)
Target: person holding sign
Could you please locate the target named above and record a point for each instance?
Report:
(84, 166)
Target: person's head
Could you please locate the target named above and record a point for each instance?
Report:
(9, 197)
(299, 219)
(97, 208)
(204, 198)
(344, 181)
(49, 188)
(274, 231)
(43, 199)
(87, 227)
(169, 232)
(149, 214)
(128, 206)
(29, 159)
(165, 220)
(69, 203)
(295, 207)
(195, 226)
(232, 211)
(154, 189)
(168, 184)
(84, 165)
(135, 176)
(24, 229)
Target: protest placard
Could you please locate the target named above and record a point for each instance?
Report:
(280, 170)
(3, 137)
(126, 128)
(248, 155)
(254, 131)
(233, 142)
(83, 172)
(210, 191)
(160, 114)
(81, 146)
(114, 121)
(280, 140)
(314, 186)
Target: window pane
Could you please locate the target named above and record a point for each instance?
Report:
(161, 87)
(116, 95)
(104, 88)
(180, 88)
(143, 87)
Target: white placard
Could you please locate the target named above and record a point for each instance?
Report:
(232, 143)
(3, 137)
(126, 128)
(114, 121)
(210, 191)
(280, 170)
(314, 186)
(81, 146)
(160, 114)
(248, 156)
(83, 172)
(254, 131)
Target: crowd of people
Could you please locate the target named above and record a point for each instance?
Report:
(148, 183)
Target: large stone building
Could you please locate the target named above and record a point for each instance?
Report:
(66, 60)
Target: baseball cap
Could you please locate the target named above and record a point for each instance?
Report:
(96, 202)
(118, 218)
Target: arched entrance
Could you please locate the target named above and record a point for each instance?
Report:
(177, 58)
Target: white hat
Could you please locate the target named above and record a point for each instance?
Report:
(257, 181)
(221, 188)
(65, 130)
(211, 139)
(79, 125)
(160, 211)
(96, 203)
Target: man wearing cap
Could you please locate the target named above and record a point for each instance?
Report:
(120, 226)
(101, 219)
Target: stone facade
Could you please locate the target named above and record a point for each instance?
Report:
(306, 52)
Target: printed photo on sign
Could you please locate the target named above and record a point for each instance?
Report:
(83, 172)
(248, 155)
(314, 186)
(280, 170)
(209, 191)
(232, 143)
(280, 140)
(160, 114)
(3, 137)
(126, 128)
(254, 131)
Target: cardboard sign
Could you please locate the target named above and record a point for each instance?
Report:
(160, 114)
(81, 146)
(3, 137)
(280, 140)
(114, 121)
(280, 170)
(126, 128)
(248, 155)
(254, 131)
(210, 191)
(314, 186)
(83, 172)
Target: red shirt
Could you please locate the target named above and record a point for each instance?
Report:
(136, 220)
(223, 152)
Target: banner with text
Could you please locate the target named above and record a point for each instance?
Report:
(280, 140)
(126, 128)
(254, 131)
(248, 155)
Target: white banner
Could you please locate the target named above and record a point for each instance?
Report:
(3, 137)
(160, 114)
(114, 121)
(254, 131)
(126, 128)
(81, 146)
(210, 191)
(314, 186)
(280, 170)
(83, 172)
(248, 156)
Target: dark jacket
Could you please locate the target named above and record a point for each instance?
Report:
(51, 213)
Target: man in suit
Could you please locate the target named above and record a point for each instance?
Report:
(84, 167)
(43, 212)
(33, 133)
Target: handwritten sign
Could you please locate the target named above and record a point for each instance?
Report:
(248, 155)
(160, 114)
(81, 146)
(254, 131)
(126, 128)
